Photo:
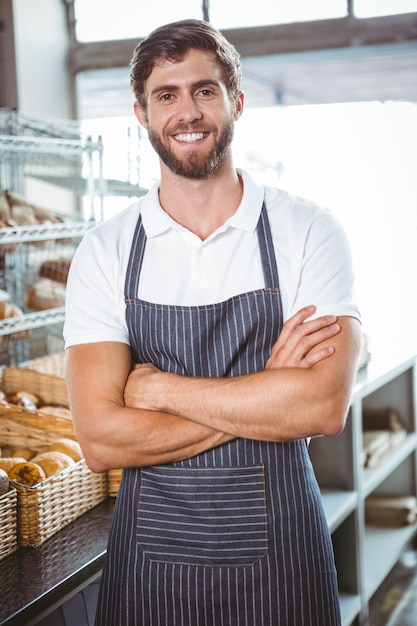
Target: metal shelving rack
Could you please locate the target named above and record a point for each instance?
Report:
(52, 154)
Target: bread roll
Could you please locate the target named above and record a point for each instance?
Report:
(40, 214)
(6, 463)
(25, 399)
(67, 446)
(27, 473)
(4, 482)
(56, 410)
(55, 269)
(53, 462)
(8, 310)
(23, 215)
(43, 296)
(23, 453)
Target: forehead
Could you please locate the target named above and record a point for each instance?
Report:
(194, 66)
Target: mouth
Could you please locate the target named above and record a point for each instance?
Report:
(190, 137)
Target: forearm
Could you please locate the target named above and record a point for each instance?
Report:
(132, 438)
(113, 435)
(278, 404)
(265, 406)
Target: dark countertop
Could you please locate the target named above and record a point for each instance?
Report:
(34, 579)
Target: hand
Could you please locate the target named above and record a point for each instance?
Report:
(137, 384)
(298, 344)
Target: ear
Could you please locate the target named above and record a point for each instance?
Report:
(239, 105)
(140, 114)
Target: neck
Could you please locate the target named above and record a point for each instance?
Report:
(201, 206)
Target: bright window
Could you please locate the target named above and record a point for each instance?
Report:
(105, 20)
(235, 13)
(373, 8)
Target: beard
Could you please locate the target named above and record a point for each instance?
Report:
(194, 165)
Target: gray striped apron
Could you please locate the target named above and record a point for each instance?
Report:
(235, 536)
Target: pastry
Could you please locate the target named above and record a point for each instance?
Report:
(7, 311)
(55, 269)
(38, 213)
(43, 296)
(53, 462)
(27, 473)
(67, 446)
(24, 399)
(56, 410)
(6, 463)
(23, 453)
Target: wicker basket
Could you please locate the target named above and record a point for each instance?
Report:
(114, 477)
(45, 508)
(52, 504)
(8, 523)
(20, 427)
(35, 429)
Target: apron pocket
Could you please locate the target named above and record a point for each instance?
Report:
(203, 516)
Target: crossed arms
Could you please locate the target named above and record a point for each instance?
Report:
(126, 417)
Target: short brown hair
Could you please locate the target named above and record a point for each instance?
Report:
(172, 41)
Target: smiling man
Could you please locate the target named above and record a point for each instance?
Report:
(210, 332)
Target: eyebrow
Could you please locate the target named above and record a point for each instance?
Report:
(199, 83)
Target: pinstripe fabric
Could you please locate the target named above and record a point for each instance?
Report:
(235, 536)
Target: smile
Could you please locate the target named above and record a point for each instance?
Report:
(189, 137)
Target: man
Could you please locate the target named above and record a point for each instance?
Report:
(181, 370)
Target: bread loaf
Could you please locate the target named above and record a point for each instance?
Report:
(56, 410)
(27, 473)
(43, 296)
(24, 399)
(23, 453)
(53, 462)
(67, 446)
(38, 213)
(6, 463)
(7, 311)
(55, 270)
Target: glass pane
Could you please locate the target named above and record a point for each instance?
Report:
(372, 8)
(235, 13)
(105, 20)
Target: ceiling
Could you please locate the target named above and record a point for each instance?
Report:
(324, 62)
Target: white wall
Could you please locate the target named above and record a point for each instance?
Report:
(41, 42)
(360, 161)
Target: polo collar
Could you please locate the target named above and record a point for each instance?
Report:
(156, 221)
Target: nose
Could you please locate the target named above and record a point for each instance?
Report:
(188, 109)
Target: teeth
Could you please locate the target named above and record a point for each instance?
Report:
(189, 137)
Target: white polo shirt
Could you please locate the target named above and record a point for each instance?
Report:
(312, 252)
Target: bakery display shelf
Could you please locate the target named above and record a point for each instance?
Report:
(43, 232)
(350, 606)
(23, 146)
(373, 477)
(338, 505)
(29, 321)
(382, 549)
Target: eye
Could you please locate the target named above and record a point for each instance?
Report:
(166, 97)
(206, 92)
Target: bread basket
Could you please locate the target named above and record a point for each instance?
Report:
(8, 523)
(45, 508)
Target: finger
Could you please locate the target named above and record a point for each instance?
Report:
(292, 352)
(307, 335)
(310, 341)
(312, 358)
(297, 326)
